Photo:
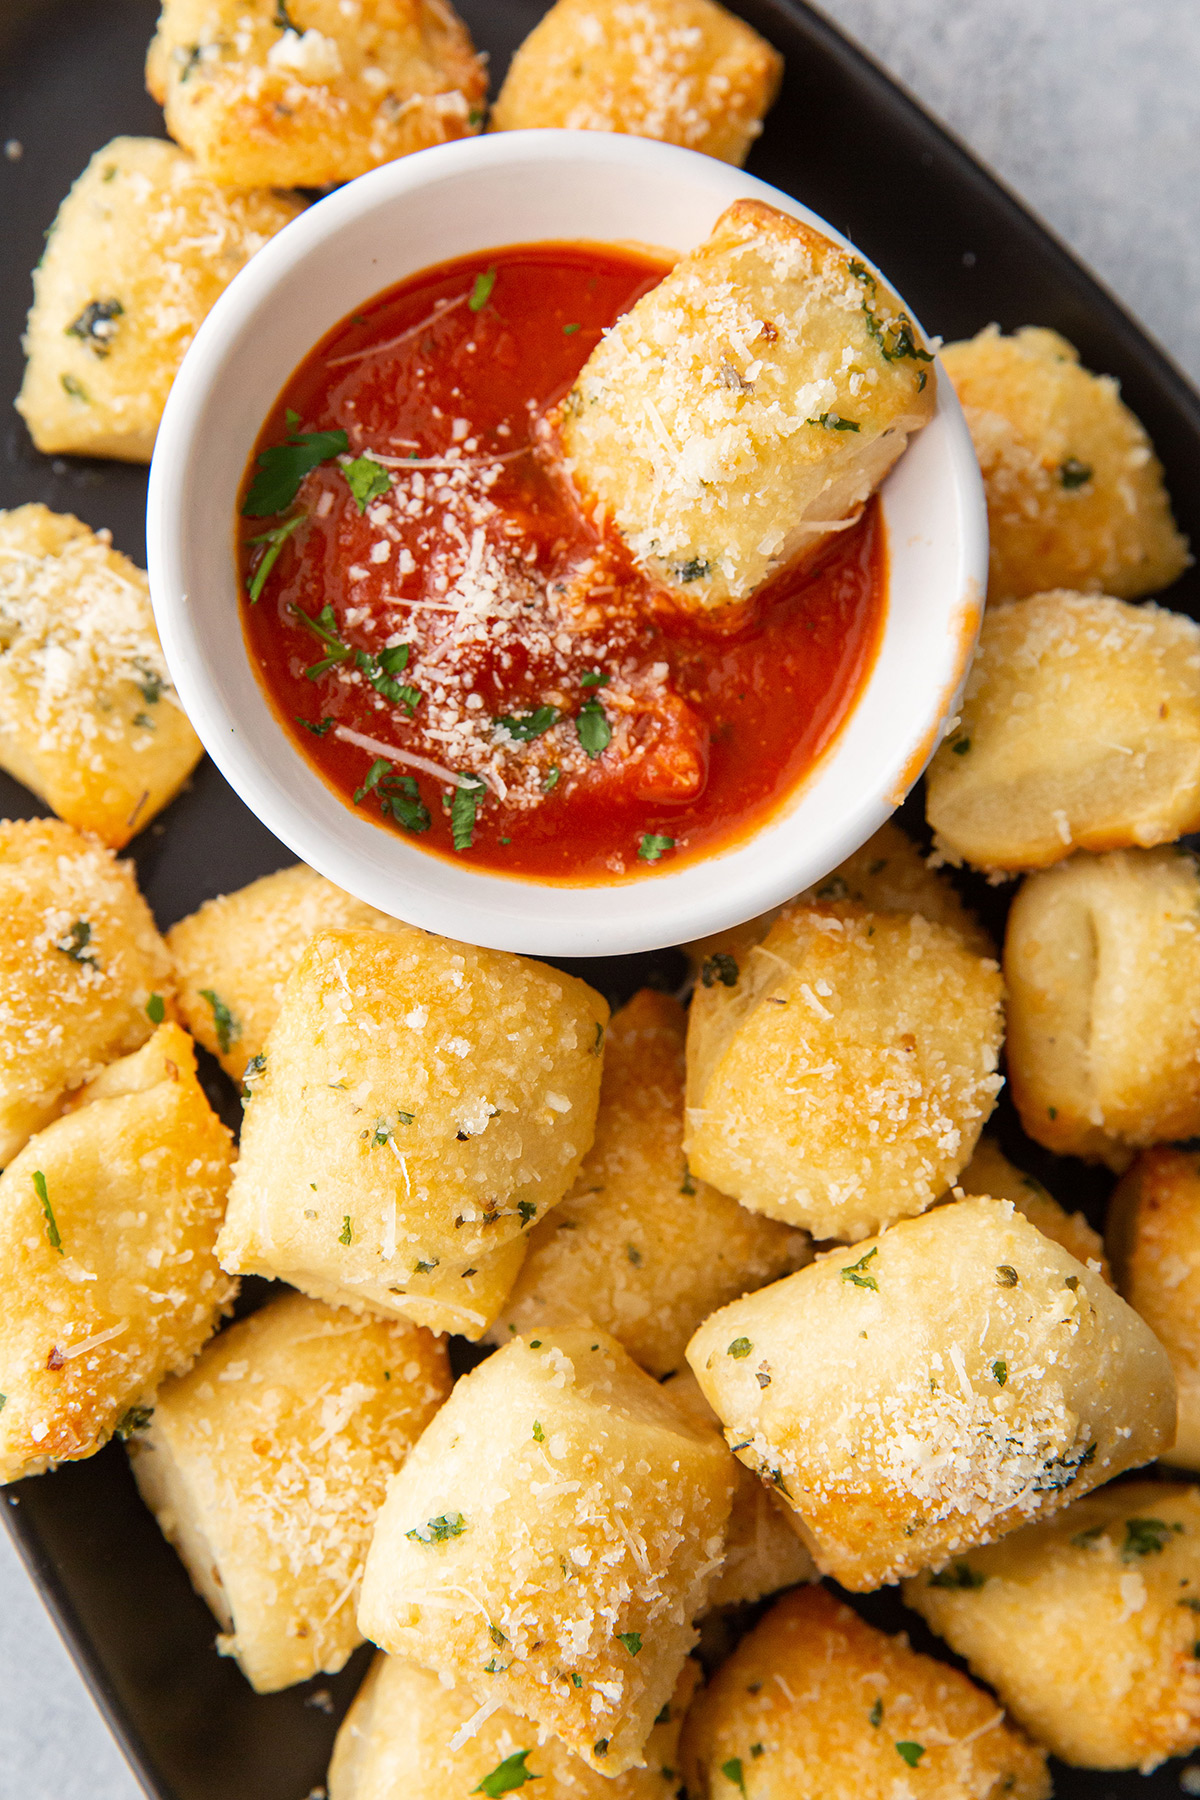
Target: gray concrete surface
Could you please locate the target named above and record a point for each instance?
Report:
(1090, 109)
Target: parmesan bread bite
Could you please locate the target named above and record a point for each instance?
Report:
(89, 718)
(683, 71)
(1080, 729)
(584, 1515)
(1085, 1625)
(1075, 492)
(404, 1736)
(84, 975)
(990, 1172)
(234, 954)
(421, 1103)
(934, 1388)
(141, 248)
(762, 1552)
(266, 1464)
(814, 1703)
(315, 92)
(108, 1220)
(639, 1246)
(1153, 1236)
(746, 407)
(841, 1081)
(1102, 965)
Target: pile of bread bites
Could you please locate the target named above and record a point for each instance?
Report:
(763, 1305)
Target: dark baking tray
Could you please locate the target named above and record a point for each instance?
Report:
(852, 145)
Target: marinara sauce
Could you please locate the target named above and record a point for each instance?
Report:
(471, 660)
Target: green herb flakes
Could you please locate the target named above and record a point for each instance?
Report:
(274, 540)
(688, 1184)
(570, 330)
(439, 1530)
(553, 776)
(594, 678)
(592, 728)
(366, 479)
(524, 727)
(1084, 1540)
(511, 1773)
(39, 1188)
(876, 1713)
(282, 468)
(74, 943)
(653, 845)
(463, 808)
(75, 388)
(156, 1010)
(733, 1771)
(527, 1210)
(600, 1747)
(137, 1418)
(255, 1066)
(912, 1753)
(481, 293)
(634, 1255)
(321, 729)
(1074, 474)
(1146, 1537)
(833, 422)
(739, 1348)
(960, 746)
(958, 1575)
(1006, 1275)
(227, 1028)
(346, 1234)
(695, 569)
(539, 1436)
(719, 967)
(496, 1635)
(1000, 1370)
(577, 1681)
(96, 325)
(632, 1641)
(855, 1272)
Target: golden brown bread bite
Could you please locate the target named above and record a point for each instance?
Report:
(586, 1537)
(266, 1464)
(234, 954)
(316, 92)
(89, 718)
(84, 975)
(421, 1103)
(683, 71)
(990, 1172)
(1102, 967)
(841, 1082)
(142, 246)
(1086, 1624)
(762, 1552)
(745, 407)
(640, 1246)
(108, 1220)
(1153, 1237)
(934, 1388)
(1080, 729)
(814, 1703)
(401, 1737)
(1074, 490)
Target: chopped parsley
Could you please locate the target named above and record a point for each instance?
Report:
(135, 1419)
(576, 1681)
(156, 1010)
(695, 569)
(321, 729)
(895, 339)
(39, 1188)
(733, 1771)
(463, 808)
(496, 1635)
(527, 1210)
(282, 468)
(274, 540)
(1083, 1540)
(688, 1184)
(400, 796)
(912, 1753)
(381, 668)
(553, 774)
(254, 1067)
(855, 1272)
(634, 1255)
(600, 1747)
(1074, 474)
(95, 325)
(539, 1436)
(227, 1028)
(1058, 1472)
(71, 385)
(524, 727)
(346, 1234)
(958, 1575)
(1146, 1537)
(1006, 1275)
(592, 727)
(509, 1774)
(323, 626)
(740, 1347)
(632, 1641)
(437, 1531)
(569, 329)
(594, 678)
(652, 846)
(833, 422)
(1000, 1370)
(74, 943)
(960, 746)
(756, 1750)
(719, 967)
(876, 1713)
(481, 293)
(366, 479)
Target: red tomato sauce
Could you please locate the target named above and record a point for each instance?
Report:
(459, 651)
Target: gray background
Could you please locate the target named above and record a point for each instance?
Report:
(1090, 110)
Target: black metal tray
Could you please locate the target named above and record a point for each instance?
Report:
(963, 251)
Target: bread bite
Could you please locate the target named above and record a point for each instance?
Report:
(404, 1735)
(84, 974)
(683, 71)
(1102, 966)
(841, 1081)
(420, 1103)
(234, 954)
(746, 407)
(640, 1246)
(586, 1537)
(89, 717)
(1075, 493)
(266, 1464)
(1153, 1237)
(816, 1702)
(142, 246)
(1086, 1625)
(990, 1172)
(934, 1388)
(1080, 729)
(313, 92)
(108, 1220)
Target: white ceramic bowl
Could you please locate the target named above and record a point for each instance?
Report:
(484, 192)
